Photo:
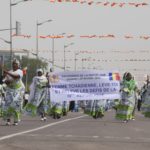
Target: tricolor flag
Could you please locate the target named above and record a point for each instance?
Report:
(114, 76)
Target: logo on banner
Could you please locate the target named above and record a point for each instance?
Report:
(54, 78)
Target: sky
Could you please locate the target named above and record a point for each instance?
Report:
(90, 26)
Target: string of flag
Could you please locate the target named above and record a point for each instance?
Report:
(105, 60)
(81, 51)
(102, 3)
(107, 36)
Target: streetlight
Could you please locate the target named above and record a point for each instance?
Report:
(37, 34)
(75, 59)
(26, 82)
(13, 4)
(82, 63)
(53, 49)
(65, 46)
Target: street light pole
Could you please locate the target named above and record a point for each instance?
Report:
(53, 49)
(11, 33)
(37, 34)
(64, 57)
(82, 64)
(65, 46)
(26, 82)
(75, 59)
(37, 41)
(10, 19)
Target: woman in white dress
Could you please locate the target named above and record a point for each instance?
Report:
(14, 93)
(38, 103)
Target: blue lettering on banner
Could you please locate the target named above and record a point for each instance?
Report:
(61, 86)
(115, 84)
(105, 90)
(113, 90)
(104, 84)
(82, 85)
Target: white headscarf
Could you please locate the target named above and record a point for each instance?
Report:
(16, 61)
(39, 70)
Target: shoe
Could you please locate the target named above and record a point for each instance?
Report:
(15, 123)
(58, 116)
(133, 118)
(7, 123)
(125, 121)
(42, 119)
(45, 118)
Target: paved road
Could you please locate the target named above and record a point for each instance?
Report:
(77, 132)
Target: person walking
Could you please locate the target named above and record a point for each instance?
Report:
(145, 95)
(125, 110)
(95, 108)
(14, 92)
(37, 103)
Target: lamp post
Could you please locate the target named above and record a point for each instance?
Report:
(26, 82)
(65, 46)
(53, 49)
(83, 63)
(37, 34)
(13, 4)
(75, 59)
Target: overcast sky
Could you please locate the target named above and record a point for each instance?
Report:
(82, 19)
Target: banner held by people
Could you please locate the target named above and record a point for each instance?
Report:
(84, 85)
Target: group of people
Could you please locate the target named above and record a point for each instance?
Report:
(131, 98)
(14, 100)
(12, 93)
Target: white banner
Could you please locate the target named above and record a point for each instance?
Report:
(84, 85)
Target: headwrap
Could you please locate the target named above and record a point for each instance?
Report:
(129, 85)
(16, 61)
(39, 70)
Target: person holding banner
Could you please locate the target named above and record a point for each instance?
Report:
(37, 103)
(125, 110)
(95, 108)
(14, 93)
(145, 94)
(56, 108)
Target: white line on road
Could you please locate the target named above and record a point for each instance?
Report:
(144, 139)
(39, 128)
(115, 137)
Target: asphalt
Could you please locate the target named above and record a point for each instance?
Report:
(77, 131)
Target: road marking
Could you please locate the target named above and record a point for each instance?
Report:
(95, 136)
(126, 138)
(59, 135)
(68, 136)
(115, 137)
(39, 128)
(32, 134)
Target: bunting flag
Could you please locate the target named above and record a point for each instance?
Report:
(101, 3)
(92, 51)
(94, 36)
(145, 37)
(105, 60)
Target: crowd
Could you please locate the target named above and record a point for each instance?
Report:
(14, 100)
